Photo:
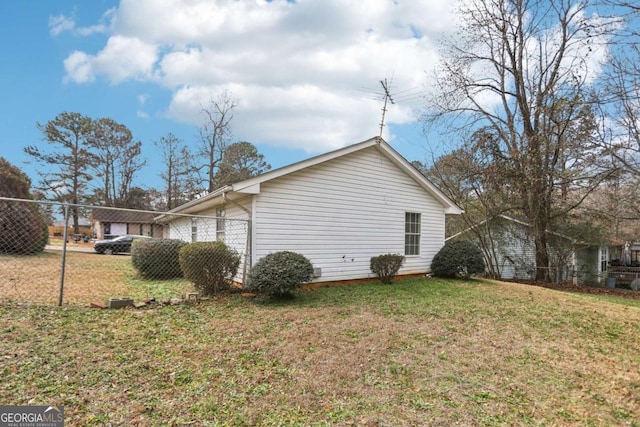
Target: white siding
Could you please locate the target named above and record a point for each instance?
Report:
(516, 254)
(342, 212)
(235, 233)
(118, 229)
(180, 229)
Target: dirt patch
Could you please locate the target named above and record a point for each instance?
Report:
(594, 290)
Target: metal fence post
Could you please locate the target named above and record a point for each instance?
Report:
(247, 256)
(64, 252)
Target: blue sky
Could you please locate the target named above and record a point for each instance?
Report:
(306, 76)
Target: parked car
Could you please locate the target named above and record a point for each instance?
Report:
(120, 244)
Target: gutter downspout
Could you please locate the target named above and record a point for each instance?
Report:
(247, 255)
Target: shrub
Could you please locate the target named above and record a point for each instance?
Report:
(157, 258)
(209, 265)
(280, 273)
(23, 230)
(460, 258)
(386, 266)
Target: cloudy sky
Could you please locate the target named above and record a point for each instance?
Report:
(306, 75)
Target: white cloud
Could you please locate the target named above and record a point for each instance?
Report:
(93, 29)
(142, 98)
(79, 68)
(304, 73)
(123, 58)
(60, 23)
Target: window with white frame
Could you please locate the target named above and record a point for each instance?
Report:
(411, 233)
(220, 224)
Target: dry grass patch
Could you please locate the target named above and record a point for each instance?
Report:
(418, 352)
(88, 277)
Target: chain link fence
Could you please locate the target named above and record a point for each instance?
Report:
(55, 253)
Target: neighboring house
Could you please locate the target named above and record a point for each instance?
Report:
(338, 209)
(508, 245)
(111, 222)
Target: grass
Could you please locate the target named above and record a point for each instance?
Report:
(418, 352)
(88, 278)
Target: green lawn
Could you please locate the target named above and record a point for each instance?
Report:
(418, 352)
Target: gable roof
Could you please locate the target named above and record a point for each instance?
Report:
(252, 185)
(484, 221)
(122, 216)
(514, 221)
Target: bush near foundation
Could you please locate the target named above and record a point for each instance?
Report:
(386, 266)
(209, 265)
(460, 258)
(280, 274)
(157, 258)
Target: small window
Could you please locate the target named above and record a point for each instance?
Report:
(411, 233)
(220, 224)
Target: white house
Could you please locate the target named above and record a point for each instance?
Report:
(338, 209)
(109, 222)
(508, 245)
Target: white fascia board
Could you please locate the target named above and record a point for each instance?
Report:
(248, 189)
(200, 203)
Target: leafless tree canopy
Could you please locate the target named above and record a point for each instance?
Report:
(215, 135)
(178, 171)
(517, 84)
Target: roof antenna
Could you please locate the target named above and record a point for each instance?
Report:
(387, 97)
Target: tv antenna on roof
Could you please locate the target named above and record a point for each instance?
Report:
(387, 98)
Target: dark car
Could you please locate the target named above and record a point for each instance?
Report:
(120, 244)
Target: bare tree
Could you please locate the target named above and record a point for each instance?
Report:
(129, 163)
(621, 88)
(177, 173)
(469, 177)
(519, 73)
(215, 134)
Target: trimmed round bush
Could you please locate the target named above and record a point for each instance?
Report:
(210, 266)
(460, 258)
(23, 230)
(279, 273)
(386, 266)
(157, 258)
